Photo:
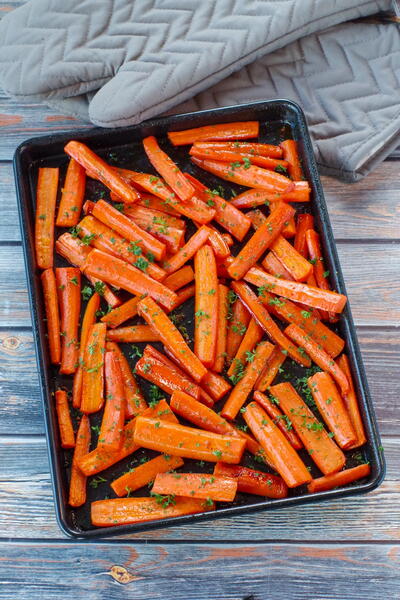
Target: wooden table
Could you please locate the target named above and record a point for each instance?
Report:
(339, 550)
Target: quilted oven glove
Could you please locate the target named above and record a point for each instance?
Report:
(118, 62)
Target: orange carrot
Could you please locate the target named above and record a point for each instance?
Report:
(158, 227)
(289, 230)
(110, 436)
(271, 369)
(72, 195)
(100, 170)
(155, 203)
(253, 335)
(196, 485)
(304, 222)
(351, 403)
(279, 419)
(254, 149)
(300, 193)
(67, 435)
(322, 449)
(286, 460)
(228, 239)
(148, 218)
(291, 155)
(295, 263)
(206, 305)
(200, 415)
(187, 251)
(275, 267)
(240, 130)
(89, 318)
(238, 320)
(257, 197)
(320, 314)
(164, 376)
(46, 196)
(320, 274)
(69, 295)
(179, 440)
(121, 313)
(179, 278)
(322, 484)
(218, 244)
(133, 334)
(144, 474)
(77, 484)
(220, 349)
(93, 377)
(183, 381)
(52, 314)
(183, 295)
(135, 404)
(235, 157)
(258, 218)
(250, 481)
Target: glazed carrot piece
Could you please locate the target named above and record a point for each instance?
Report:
(240, 130)
(179, 278)
(325, 453)
(112, 424)
(222, 330)
(121, 313)
(149, 217)
(46, 196)
(289, 230)
(238, 321)
(258, 197)
(133, 334)
(89, 318)
(255, 177)
(286, 460)
(77, 484)
(206, 305)
(187, 442)
(124, 511)
(351, 403)
(67, 435)
(332, 409)
(52, 314)
(242, 389)
(274, 267)
(93, 369)
(271, 369)
(187, 251)
(153, 202)
(228, 239)
(218, 244)
(279, 419)
(135, 404)
(260, 241)
(117, 272)
(298, 267)
(291, 155)
(263, 318)
(100, 170)
(254, 149)
(196, 485)
(318, 355)
(304, 222)
(72, 195)
(164, 376)
(300, 193)
(320, 314)
(299, 292)
(144, 474)
(232, 156)
(250, 481)
(320, 274)
(200, 415)
(329, 482)
(166, 167)
(68, 281)
(253, 335)
(183, 295)
(158, 227)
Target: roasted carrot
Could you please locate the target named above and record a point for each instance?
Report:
(299, 292)
(291, 155)
(72, 194)
(123, 511)
(236, 158)
(93, 369)
(274, 267)
(250, 481)
(77, 484)
(257, 197)
(66, 430)
(170, 336)
(351, 403)
(271, 369)
(254, 149)
(298, 267)
(187, 251)
(220, 348)
(324, 452)
(253, 335)
(166, 378)
(155, 203)
(304, 222)
(289, 230)
(286, 460)
(112, 424)
(196, 485)
(280, 420)
(135, 403)
(260, 241)
(240, 130)
(133, 334)
(320, 273)
(100, 170)
(218, 244)
(46, 196)
(228, 239)
(88, 321)
(52, 314)
(69, 296)
(149, 218)
(238, 320)
(158, 227)
(322, 484)
(183, 295)
(179, 278)
(258, 218)
(179, 440)
(121, 313)
(301, 192)
(144, 474)
(206, 305)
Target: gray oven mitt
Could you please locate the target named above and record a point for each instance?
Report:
(118, 62)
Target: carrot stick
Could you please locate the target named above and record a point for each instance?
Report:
(295, 263)
(320, 274)
(238, 321)
(163, 376)
(332, 409)
(158, 227)
(46, 196)
(253, 335)
(304, 222)
(222, 331)
(89, 318)
(187, 251)
(133, 334)
(121, 313)
(318, 355)
(218, 244)
(228, 239)
(258, 218)
(325, 453)
(110, 436)
(93, 377)
(240, 130)
(329, 482)
(52, 314)
(77, 484)
(271, 369)
(179, 440)
(250, 481)
(200, 415)
(257, 197)
(291, 155)
(260, 241)
(351, 403)
(179, 278)
(286, 460)
(254, 149)
(72, 195)
(99, 169)
(206, 305)
(67, 435)
(196, 485)
(117, 272)
(183, 295)
(150, 217)
(299, 292)
(144, 474)
(135, 404)
(279, 419)
(300, 193)
(69, 295)
(232, 156)
(263, 318)
(166, 167)
(155, 203)
(275, 267)
(289, 230)
(124, 511)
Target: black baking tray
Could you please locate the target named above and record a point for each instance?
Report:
(279, 119)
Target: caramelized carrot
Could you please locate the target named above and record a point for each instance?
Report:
(155, 369)
(144, 474)
(196, 485)
(228, 239)
(320, 274)
(298, 267)
(200, 415)
(154, 203)
(72, 195)
(179, 278)
(133, 334)
(93, 362)
(46, 196)
(240, 130)
(121, 313)
(183, 295)
(232, 156)
(110, 436)
(250, 481)
(289, 230)
(52, 314)
(254, 149)
(77, 484)
(279, 419)
(291, 155)
(271, 369)
(304, 222)
(322, 484)
(253, 335)
(67, 435)
(220, 349)
(218, 244)
(135, 404)
(187, 251)
(257, 197)
(158, 227)
(238, 320)
(351, 403)
(274, 267)
(88, 321)
(69, 295)
(206, 305)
